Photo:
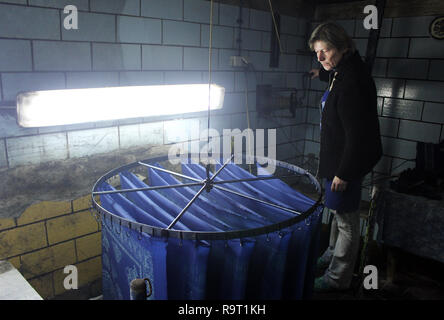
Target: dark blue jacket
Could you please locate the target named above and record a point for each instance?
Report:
(350, 136)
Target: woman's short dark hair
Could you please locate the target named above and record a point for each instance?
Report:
(333, 35)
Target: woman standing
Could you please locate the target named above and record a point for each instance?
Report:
(350, 146)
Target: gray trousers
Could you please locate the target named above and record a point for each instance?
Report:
(343, 249)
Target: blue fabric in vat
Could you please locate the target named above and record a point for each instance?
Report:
(159, 202)
(215, 196)
(279, 265)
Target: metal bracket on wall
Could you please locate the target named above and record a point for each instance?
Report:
(269, 99)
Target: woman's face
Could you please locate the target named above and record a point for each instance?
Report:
(329, 57)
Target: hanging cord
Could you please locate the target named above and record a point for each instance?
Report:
(275, 26)
(248, 65)
(248, 117)
(209, 82)
(246, 106)
(239, 39)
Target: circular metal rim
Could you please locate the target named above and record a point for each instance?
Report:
(206, 235)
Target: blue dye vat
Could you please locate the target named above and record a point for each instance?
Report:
(277, 265)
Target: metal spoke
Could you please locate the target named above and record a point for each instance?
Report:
(206, 183)
(258, 200)
(252, 179)
(170, 172)
(221, 168)
(149, 188)
(186, 207)
(206, 186)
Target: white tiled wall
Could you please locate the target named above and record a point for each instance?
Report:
(138, 42)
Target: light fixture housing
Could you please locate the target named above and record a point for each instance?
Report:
(73, 106)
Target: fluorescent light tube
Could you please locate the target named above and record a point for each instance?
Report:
(71, 106)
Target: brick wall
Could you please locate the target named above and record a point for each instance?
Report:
(408, 72)
(49, 236)
(120, 43)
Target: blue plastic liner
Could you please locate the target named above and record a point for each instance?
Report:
(278, 265)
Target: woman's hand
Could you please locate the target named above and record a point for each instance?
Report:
(314, 73)
(338, 184)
